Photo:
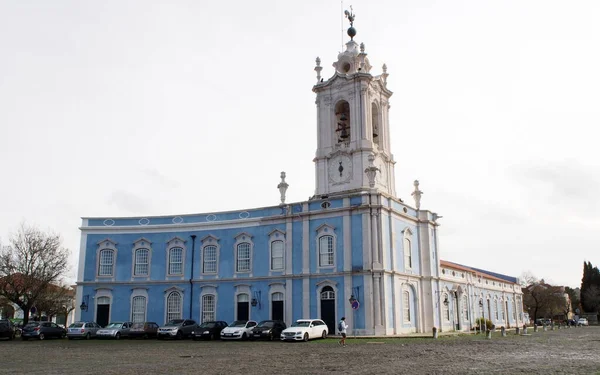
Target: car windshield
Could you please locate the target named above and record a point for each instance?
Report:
(207, 325)
(137, 325)
(76, 325)
(174, 322)
(238, 323)
(266, 324)
(114, 325)
(301, 324)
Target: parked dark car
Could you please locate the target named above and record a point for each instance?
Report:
(143, 329)
(177, 329)
(7, 329)
(82, 330)
(268, 329)
(42, 331)
(209, 330)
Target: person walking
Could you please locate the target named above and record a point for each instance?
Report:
(343, 328)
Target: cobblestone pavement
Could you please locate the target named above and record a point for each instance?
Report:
(564, 351)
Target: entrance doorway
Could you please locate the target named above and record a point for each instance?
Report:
(277, 306)
(328, 308)
(243, 307)
(103, 311)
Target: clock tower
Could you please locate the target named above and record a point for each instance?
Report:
(353, 134)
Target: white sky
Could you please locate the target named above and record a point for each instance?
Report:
(138, 108)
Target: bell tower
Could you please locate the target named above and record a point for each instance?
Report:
(353, 135)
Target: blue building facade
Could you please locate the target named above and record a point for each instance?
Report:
(354, 249)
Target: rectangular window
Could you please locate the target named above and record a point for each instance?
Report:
(208, 308)
(277, 255)
(465, 309)
(243, 257)
(106, 263)
(325, 251)
(209, 262)
(176, 261)
(141, 262)
(406, 301)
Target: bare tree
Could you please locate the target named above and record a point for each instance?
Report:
(31, 262)
(541, 299)
(56, 300)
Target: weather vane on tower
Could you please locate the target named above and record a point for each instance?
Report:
(350, 16)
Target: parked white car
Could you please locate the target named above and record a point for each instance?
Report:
(582, 322)
(238, 330)
(305, 329)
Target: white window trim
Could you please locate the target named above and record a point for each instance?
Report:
(209, 241)
(325, 230)
(166, 304)
(239, 239)
(106, 244)
(142, 243)
(276, 288)
(208, 289)
(320, 286)
(173, 243)
(138, 292)
(103, 292)
(274, 236)
(406, 307)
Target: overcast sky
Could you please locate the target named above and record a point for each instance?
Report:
(139, 108)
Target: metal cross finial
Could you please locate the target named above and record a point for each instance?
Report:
(350, 15)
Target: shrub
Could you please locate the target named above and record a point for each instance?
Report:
(487, 322)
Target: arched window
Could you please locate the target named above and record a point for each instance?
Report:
(277, 255)
(103, 300)
(105, 267)
(406, 306)
(342, 122)
(173, 306)
(243, 257)
(325, 251)
(465, 308)
(446, 307)
(138, 309)
(375, 122)
(175, 261)
(496, 308)
(208, 307)
(141, 262)
(209, 260)
(278, 296)
(501, 310)
(327, 293)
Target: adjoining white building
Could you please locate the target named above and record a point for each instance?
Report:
(354, 249)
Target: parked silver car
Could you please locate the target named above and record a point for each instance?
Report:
(114, 330)
(82, 330)
(177, 329)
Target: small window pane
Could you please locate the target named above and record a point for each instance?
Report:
(326, 251)
(138, 309)
(141, 262)
(173, 306)
(208, 308)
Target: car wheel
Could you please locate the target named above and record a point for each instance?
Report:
(41, 336)
(271, 337)
(145, 336)
(212, 337)
(305, 337)
(88, 336)
(324, 335)
(244, 336)
(179, 335)
(118, 336)
(63, 335)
